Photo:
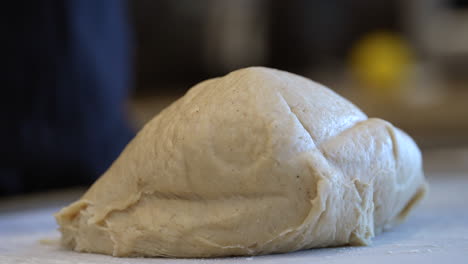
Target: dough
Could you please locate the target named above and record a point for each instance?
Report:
(259, 161)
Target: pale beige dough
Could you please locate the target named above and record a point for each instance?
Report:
(259, 161)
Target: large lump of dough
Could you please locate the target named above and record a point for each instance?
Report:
(259, 161)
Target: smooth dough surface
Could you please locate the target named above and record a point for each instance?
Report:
(259, 161)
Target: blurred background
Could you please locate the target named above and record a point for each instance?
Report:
(85, 75)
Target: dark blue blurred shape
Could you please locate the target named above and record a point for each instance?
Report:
(63, 91)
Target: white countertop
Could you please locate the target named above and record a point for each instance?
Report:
(436, 232)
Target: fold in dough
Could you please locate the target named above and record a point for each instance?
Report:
(259, 161)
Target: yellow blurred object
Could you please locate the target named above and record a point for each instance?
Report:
(381, 61)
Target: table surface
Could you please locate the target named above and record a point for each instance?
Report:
(436, 232)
